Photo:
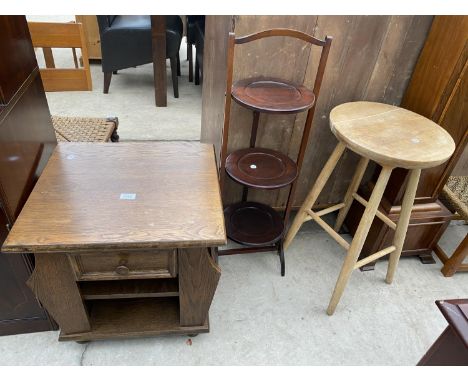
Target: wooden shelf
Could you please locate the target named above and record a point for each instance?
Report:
(272, 95)
(102, 290)
(261, 168)
(253, 224)
(118, 318)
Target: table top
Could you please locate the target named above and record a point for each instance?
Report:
(456, 314)
(391, 135)
(122, 195)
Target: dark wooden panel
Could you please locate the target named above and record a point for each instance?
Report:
(53, 282)
(198, 278)
(15, 43)
(26, 140)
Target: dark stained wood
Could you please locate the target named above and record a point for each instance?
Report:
(133, 318)
(271, 96)
(261, 168)
(451, 348)
(253, 224)
(125, 265)
(106, 290)
(268, 95)
(158, 33)
(16, 45)
(381, 67)
(198, 278)
(455, 262)
(176, 203)
(26, 141)
(53, 282)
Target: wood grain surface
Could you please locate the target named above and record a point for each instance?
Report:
(198, 279)
(77, 203)
(391, 135)
(358, 68)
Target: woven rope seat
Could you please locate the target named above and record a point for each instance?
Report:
(455, 195)
(79, 129)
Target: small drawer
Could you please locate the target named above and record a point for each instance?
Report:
(117, 265)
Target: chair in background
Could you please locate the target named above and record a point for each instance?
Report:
(61, 35)
(195, 24)
(455, 197)
(126, 42)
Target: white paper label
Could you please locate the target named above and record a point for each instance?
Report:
(128, 196)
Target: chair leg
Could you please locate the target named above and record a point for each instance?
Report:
(353, 187)
(175, 83)
(454, 262)
(178, 65)
(359, 238)
(190, 62)
(197, 72)
(314, 193)
(403, 221)
(107, 81)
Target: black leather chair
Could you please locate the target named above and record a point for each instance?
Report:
(193, 23)
(126, 42)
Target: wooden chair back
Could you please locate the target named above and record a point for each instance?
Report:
(62, 35)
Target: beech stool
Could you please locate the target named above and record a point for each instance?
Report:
(392, 137)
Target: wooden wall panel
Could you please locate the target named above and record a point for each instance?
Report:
(371, 58)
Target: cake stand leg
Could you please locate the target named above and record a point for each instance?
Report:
(281, 256)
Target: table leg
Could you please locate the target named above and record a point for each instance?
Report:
(158, 33)
(198, 279)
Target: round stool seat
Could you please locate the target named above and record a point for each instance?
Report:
(390, 135)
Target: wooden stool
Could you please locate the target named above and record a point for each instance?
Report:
(392, 137)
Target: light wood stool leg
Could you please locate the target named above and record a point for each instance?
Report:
(314, 193)
(403, 221)
(359, 238)
(455, 261)
(353, 187)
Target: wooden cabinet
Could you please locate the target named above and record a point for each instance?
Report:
(91, 31)
(437, 90)
(120, 250)
(26, 141)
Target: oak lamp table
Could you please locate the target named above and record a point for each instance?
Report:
(124, 237)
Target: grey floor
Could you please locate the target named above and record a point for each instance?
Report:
(130, 98)
(259, 318)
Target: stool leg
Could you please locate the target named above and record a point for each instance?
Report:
(353, 187)
(359, 238)
(314, 193)
(403, 221)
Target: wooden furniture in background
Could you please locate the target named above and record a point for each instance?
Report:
(392, 137)
(438, 91)
(379, 51)
(255, 225)
(26, 142)
(91, 32)
(120, 250)
(62, 35)
(158, 35)
(455, 196)
(79, 129)
(451, 348)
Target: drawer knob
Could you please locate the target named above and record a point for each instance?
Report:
(122, 270)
